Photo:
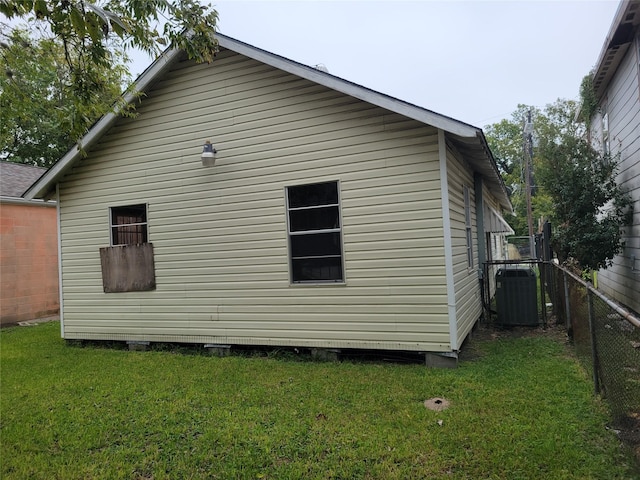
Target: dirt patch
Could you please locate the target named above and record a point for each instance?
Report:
(31, 323)
(486, 332)
(628, 430)
(437, 404)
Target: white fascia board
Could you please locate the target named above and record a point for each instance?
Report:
(45, 184)
(51, 177)
(22, 201)
(349, 88)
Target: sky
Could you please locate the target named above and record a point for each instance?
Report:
(474, 61)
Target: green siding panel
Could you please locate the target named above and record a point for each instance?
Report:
(219, 233)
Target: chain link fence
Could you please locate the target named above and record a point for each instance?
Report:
(607, 341)
(606, 337)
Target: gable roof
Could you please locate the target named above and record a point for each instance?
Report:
(467, 139)
(15, 178)
(624, 27)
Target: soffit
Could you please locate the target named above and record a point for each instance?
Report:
(620, 38)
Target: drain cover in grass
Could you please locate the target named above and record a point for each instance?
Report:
(437, 404)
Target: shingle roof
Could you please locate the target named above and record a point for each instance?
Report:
(16, 178)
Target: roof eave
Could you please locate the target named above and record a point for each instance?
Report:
(43, 187)
(21, 201)
(616, 44)
(477, 152)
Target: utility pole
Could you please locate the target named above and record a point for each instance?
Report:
(527, 148)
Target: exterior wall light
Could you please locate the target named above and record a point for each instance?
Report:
(208, 154)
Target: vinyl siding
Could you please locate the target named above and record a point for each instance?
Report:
(468, 304)
(622, 102)
(495, 249)
(220, 235)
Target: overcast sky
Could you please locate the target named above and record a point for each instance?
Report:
(474, 61)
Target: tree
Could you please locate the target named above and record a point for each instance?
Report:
(589, 207)
(575, 185)
(91, 37)
(37, 111)
(505, 139)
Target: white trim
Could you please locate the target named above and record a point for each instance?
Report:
(638, 62)
(448, 245)
(61, 301)
(157, 68)
(22, 201)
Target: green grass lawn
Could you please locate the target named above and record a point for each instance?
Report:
(522, 408)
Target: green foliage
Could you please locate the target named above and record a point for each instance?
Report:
(588, 99)
(89, 39)
(80, 413)
(40, 116)
(86, 27)
(505, 139)
(590, 209)
(575, 186)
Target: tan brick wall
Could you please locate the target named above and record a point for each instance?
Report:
(28, 262)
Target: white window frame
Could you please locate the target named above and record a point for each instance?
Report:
(468, 226)
(113, 226)
(291, 234)
(638, 61)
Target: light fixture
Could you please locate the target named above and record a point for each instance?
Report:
(208, 154)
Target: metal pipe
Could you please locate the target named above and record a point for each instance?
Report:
(543, 301)
(623, 312)
(567, 305)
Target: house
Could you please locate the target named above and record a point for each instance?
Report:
(28, 248)
(615, 128)
(332, 217)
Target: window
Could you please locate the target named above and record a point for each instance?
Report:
(129, 225)
(467, 224)
(315, 234)
(128, 265)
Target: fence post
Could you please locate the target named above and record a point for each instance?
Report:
(543, 298)
(486, 310)
(594, 351)
(567, 306)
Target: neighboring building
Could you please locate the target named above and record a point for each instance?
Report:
(616, 129)
(28, 248)
(334, 216)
